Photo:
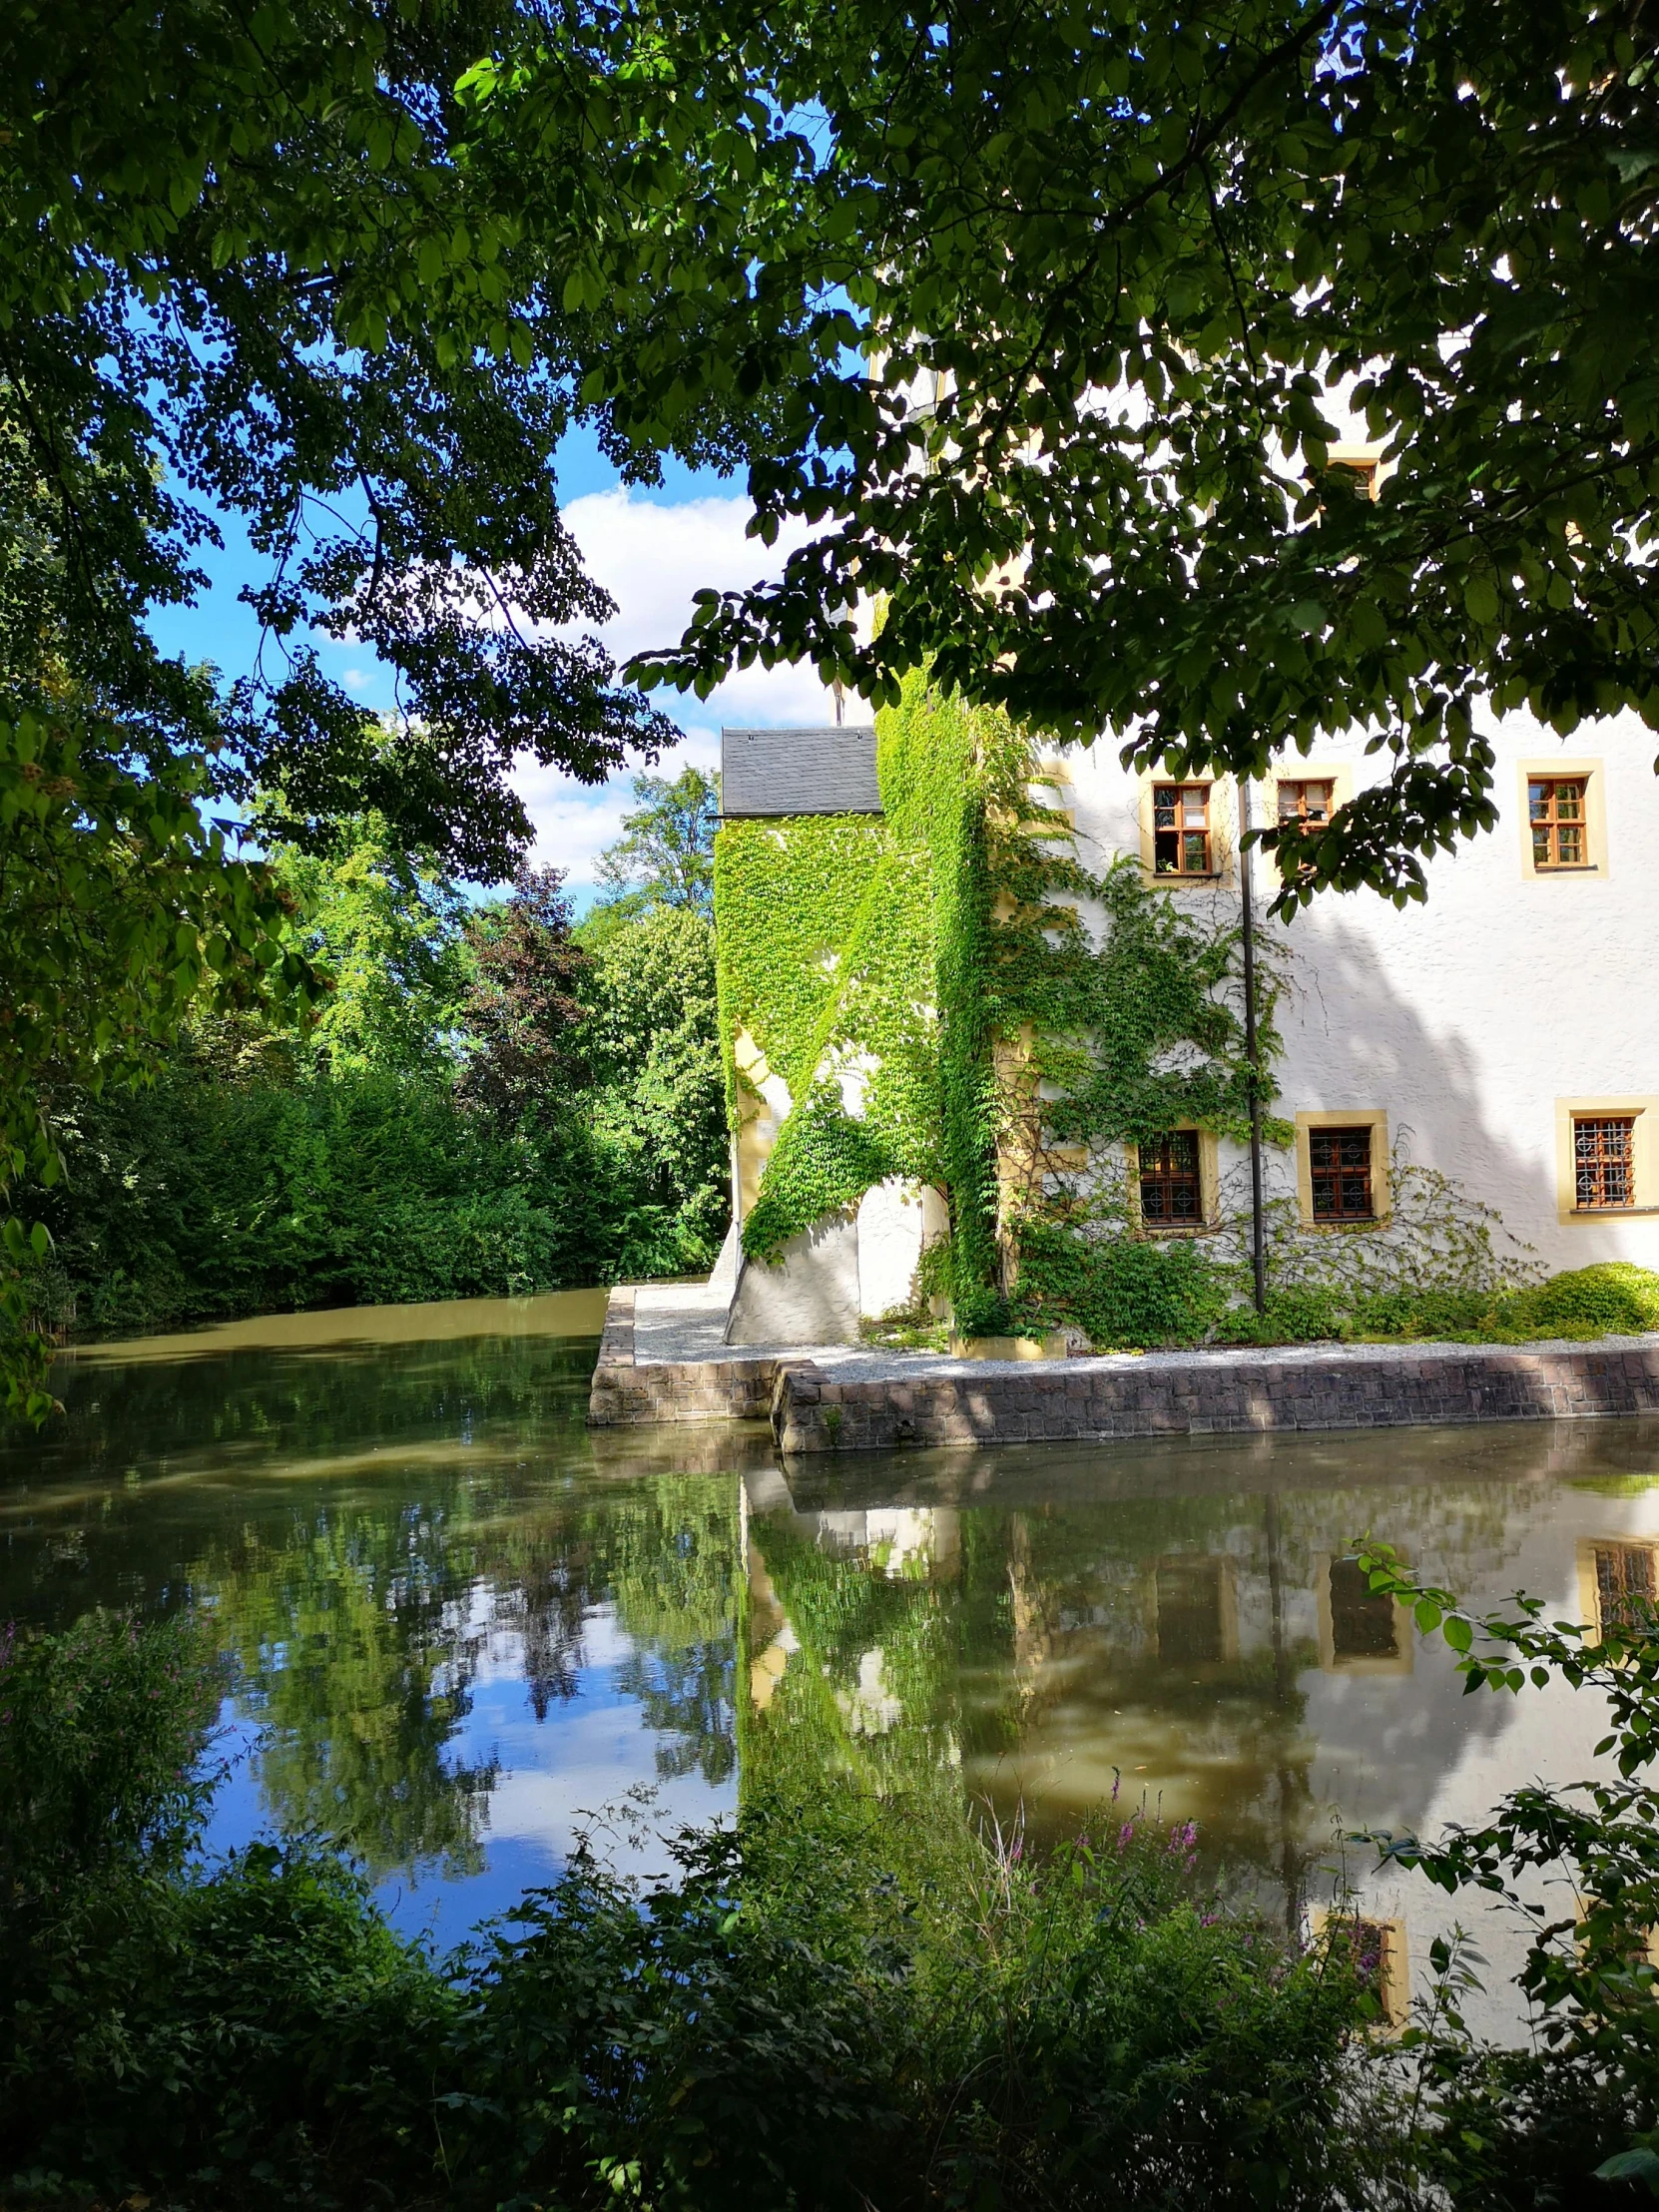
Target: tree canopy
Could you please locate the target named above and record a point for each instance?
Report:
(1064, 309)
(1040, 319)
(242, 278)
(665, 853)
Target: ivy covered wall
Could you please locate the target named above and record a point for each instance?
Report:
(926, 986)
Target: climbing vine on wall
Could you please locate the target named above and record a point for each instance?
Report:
(927, 988)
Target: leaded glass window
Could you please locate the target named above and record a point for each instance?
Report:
(1170, 1195)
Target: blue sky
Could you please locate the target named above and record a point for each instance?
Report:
(651, 550)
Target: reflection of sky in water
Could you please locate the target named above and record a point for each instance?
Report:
(464, 1624)
(557, 1775)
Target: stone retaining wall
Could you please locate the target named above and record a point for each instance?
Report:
(1214, 1395)
(626, 1394)
(831, 1405)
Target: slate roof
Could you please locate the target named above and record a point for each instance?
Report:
(799, 772)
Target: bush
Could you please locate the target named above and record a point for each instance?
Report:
(101, 1734)
(198, 1199)
(1118, 1290)
(1301, 1315)
(1613, 1299)
(838, 2002)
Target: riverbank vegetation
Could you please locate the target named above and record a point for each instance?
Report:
(847, 2000)
(491, 1098)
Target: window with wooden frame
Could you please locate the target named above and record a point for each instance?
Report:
(1558, 818)
(1171, 1192)
(1364, 476)
(1339, 1171)
(1307, 805)
(1181, 830)
(1603, 1162)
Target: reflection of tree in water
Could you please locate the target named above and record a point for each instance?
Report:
(549, 1606)
(360, 1631)
(261, 1407)
(688, 1697)
(357, 1648)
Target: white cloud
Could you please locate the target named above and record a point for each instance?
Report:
(651, 558)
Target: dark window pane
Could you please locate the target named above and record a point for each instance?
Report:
(1603, 1149)
(1362, 1619)
(1169, 1178)
(1339, 1162)
(1189, 1612)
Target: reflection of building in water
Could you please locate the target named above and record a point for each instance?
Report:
(1218, 1656)
(1615, 1584)
(1196, 1611)
(1377, 1951)
(1362, 1630)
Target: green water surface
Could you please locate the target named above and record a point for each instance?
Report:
(458, 1625)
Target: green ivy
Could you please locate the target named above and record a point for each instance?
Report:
(915, 950)
(824, 1163)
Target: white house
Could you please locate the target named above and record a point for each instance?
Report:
(1506, 1033)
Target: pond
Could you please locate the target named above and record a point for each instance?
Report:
(459, 1626)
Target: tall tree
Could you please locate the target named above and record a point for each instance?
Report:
(120, 911)
(523, 1013)
(243, 274)
(665, 853)
(390, 929)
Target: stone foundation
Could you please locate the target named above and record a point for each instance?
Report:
(844, 1398)
(626, 1393)
(1214, 1395)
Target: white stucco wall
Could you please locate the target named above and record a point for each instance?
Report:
(1467, 1019)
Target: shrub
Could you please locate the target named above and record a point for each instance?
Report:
(1612, 1298)
(102, 1731)
(1304, 1313)
(1119, 1290)
(842, 2001)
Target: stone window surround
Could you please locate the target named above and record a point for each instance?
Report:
(1644, 1111)
(1374, 1118)
(1209, 1183)
(1295, 769)
(1223, 833)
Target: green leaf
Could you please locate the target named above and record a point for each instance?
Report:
(1632, 2165)
(1480, 598)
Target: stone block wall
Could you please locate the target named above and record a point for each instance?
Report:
(1214, 1394)
(624, 1393)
